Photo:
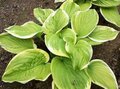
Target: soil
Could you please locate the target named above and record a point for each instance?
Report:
(20, 11)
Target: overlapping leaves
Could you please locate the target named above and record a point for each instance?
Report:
(42, 14)
(80, 53)
(84, 4)
(106, 3)
(83, 23)
(102, 3)
(56, 42)
(70, 7)
(66, 77)
(108, 8)
(56, 22)
(69, 33)
(70, 42)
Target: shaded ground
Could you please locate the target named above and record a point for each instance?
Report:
(20, 11)
(17, 12)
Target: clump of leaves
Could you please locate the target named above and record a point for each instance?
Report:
(108, 8)
(69, 34)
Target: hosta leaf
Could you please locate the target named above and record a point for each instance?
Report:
(84, 5)
(102, 75)
(56, 22)
(42, 14)
(84, 22)
(54, 86)
(55, 44)
(28, 65)
(69, 35)
(15, 45)
(106, 3)
(91, 42)
(103, 34)
(27, 30)
(70, 7)
(80, 53)
(65, 77)
(111, 15)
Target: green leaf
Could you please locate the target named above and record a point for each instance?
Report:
(15, 45)
(102, 75)
(28, 65)
(65, 77)
(70, 7)
(54, 86)
(84, 22)
(68, 35)
(106, 3)
(25, 31)
(103, 34)
(80, 53)
(91, 42)
(56, 22)
(55, 44)
(42, 14)
(111, 15)
(84, 4)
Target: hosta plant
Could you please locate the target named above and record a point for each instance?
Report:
(108, 8)
(69, 35)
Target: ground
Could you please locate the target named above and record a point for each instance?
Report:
(20, 11)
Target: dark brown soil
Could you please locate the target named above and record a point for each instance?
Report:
(20, 11)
